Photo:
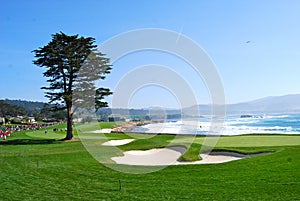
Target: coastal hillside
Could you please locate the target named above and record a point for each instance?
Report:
(30, 106)
(267, 105)
(272, 104)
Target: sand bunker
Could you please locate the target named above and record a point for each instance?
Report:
(117, 142)
(153, 157)
(221, 157)
(105, 130)
(169, 156)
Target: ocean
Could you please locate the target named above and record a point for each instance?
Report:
(233, 125)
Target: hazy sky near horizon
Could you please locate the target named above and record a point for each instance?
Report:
(255, 44)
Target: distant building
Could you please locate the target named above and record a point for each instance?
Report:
(31, 120)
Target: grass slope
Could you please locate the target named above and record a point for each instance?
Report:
(35, 167)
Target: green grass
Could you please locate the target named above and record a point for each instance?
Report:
(95, 126)
(61, 133)
(38, 167)
(192, 154)
(157, 141)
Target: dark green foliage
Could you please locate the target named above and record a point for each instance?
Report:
(47, 113)
(30, 106)
(39, 110)
(100, 94)
(16, 121)
(72, 65)
(9, 110)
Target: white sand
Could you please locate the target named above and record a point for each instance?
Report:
(105, 130)
(217, 157)
(117, 142)
(169, 156)
(151, 157)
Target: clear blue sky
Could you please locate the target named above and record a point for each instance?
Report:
(268, 65)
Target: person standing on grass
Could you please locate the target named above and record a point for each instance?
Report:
(7, 132)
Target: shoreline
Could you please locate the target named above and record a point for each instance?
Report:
(232, 127)
(208, 135)
(128, 130)
(127, 127)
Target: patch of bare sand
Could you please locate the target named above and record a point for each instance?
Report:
(117, 142)
(170, 155)
(104, 130)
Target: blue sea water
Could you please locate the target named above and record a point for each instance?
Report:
(233, 125)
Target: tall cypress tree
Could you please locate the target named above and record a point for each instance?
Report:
(73, 65)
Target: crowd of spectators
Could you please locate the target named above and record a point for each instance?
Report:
(5, 131)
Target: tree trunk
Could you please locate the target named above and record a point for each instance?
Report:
(69, 135)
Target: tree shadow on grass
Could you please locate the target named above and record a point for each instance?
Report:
(28, 141)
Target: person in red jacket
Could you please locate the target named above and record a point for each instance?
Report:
(7, 132)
